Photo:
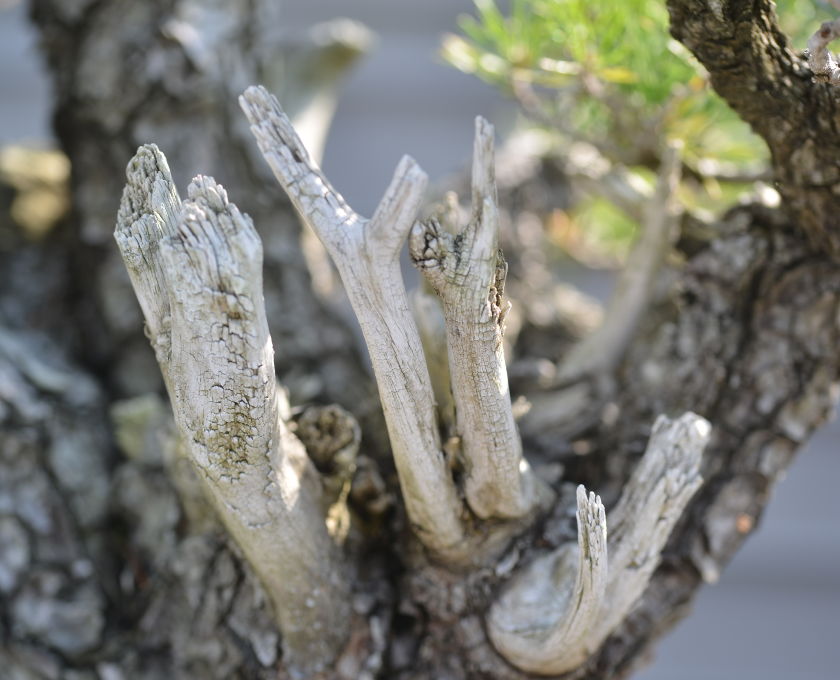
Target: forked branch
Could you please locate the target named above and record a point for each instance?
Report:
(366, 253)
(197, 269)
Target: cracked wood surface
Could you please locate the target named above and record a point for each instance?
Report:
(220, 376)
(541, 620)
(366, 253)
(748, 338)
(178, 70)
(651, 503)
(468, 272)
(559, 610)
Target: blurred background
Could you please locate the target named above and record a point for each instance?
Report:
(775, 612)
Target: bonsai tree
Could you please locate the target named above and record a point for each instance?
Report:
(447, 517)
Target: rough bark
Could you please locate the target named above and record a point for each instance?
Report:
(767, 81)
(117, 563)
(719, 341)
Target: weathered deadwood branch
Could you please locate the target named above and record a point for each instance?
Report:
(541, 621)
(468, 272)
(149, 212)
(366, 254)
(650, 505)
(198, 274)
(431, 324)
(559, 610)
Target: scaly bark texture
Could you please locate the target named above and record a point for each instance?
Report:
(767, 81)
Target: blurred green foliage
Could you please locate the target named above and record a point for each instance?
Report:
(610, 74)
(547, 41)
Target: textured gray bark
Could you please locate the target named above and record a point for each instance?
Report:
(115, 562)
(754, 67)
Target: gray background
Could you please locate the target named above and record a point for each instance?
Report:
(775, 614)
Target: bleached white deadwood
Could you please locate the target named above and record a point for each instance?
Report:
(541, 621)
(820, 59)
(201, 281)
(366, 254)
(149, 212)
(559, 610)
(432, 327)
(468, 272)
(650, 505)
(602, 350)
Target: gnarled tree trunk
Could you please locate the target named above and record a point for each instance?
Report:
(150, 562)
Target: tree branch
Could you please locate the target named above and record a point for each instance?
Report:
(431, 324)
(220, 377)
(559, 610)
(149, 212)
(820, 60)
(541, 620)
(366, 254)
(468, 272)
(753, 68)
(650, 505)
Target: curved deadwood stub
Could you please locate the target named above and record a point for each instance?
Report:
(541, 621)
(650, 505)
(559, 610)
